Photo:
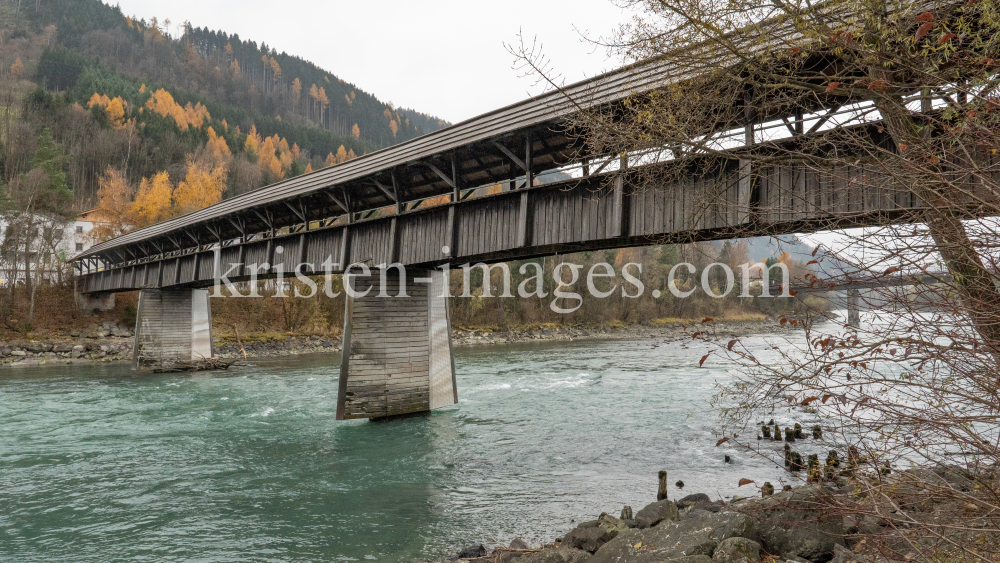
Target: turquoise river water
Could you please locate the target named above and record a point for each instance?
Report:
(98, 464)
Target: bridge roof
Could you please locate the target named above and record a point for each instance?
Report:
(539, 115)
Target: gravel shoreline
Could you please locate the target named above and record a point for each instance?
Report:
(112, 342)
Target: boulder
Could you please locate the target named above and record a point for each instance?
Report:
(557, 555)
(843, 555)
(797, 523)
(692, 500)
(693, 536)
(21, 353)
(472, 551)
(62, 347)
(590, 536)
(518, 543)
(655, 513)
(38, 347)
(737, 550)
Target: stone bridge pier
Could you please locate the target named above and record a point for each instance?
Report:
(397, 356)
(173, 326)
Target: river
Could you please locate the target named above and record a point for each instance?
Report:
(98, 464)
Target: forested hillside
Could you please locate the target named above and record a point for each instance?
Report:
(173, 123)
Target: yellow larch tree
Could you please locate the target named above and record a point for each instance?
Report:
(218, 150)
(200, 188)
(309, 168)
(341, 154)
(153, 201)
(114, 205)
(355, 131)
(114, 108)
(163, 103)
(331, 160)
(17, 68)
(393, 126)
(296, 92)
(253, 142)
(234, 67)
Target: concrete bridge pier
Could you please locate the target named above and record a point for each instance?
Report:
(94, 301)
(172, 326)
(854, 308)
(397, 356)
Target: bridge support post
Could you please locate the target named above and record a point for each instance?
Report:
(172, 326)
(854, 308)
(397, 356)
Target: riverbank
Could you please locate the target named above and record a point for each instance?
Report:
(839, 520)
(112, 342)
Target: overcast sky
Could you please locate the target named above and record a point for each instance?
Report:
(443, 57)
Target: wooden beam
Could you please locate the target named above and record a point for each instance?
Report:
(528, 172)
(438, 171)
(825, 118)
(513, 158)
(298, 212)
(397, 191)
(384, 189)
(339, 203)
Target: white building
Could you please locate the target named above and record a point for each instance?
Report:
(76, 238)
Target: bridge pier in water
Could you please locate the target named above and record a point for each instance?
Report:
(854, 308)
(397, 356)
(172, 326)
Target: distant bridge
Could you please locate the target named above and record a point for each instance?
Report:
(434, 200)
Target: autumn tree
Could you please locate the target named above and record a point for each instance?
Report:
(114, 205)
(200, 188)
(152, 201)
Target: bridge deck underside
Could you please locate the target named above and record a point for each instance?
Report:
(574, 215)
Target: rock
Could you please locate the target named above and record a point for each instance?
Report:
(797, 522)
(472, 552)
(38, 347)
(793, 559)
(692, 500)
(737, 550)
(62, 348)
(843, 555)
(694, 536)
(591, 535)
(679, 484)
(626, 513)
(655, 513)
(20, 353)
(518, 543)
(560, 554)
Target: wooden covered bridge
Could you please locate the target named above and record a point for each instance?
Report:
(511, 184)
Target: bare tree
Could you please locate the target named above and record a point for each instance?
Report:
(824, 116)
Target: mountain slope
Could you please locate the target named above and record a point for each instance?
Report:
(160, 100)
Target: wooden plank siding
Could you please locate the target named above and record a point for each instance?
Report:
(568, 216)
